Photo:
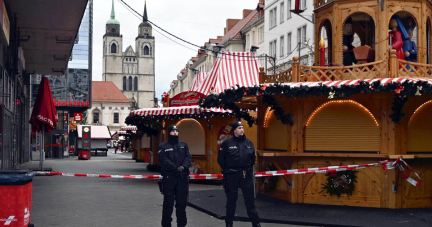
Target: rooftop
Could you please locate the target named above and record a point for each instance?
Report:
(107, 91)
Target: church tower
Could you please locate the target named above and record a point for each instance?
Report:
(112, 48)
(132, 71)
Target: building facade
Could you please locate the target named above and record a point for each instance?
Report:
(288, 35)
(110, 107)
(71, 91)
(132, 71)
(233, 40)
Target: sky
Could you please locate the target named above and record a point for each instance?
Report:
(193, 20)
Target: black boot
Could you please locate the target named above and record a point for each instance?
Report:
(256, 225)
(229, 225)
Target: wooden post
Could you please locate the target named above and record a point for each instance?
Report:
(295, 70)
(393, 64)
(262, 75)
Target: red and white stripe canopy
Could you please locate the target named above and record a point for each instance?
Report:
(231, 69)
(339, 83)
(197, 81)
(125, 128)
(177, 110)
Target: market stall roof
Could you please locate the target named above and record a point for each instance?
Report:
(177, 111)
(97, 132)
(229, 70)
(197, 81)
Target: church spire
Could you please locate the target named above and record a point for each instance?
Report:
(145, 12)
(112, 11)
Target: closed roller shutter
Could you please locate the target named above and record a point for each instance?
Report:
(276, 134)
(343, 126)
(419, 132)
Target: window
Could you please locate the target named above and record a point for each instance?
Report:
(136, 84)
(146, 50)
(253, 38)
(282, 41)
(289, 9)
(124, 83)
(273, 17)
(247, 42)
(282, 16)
(113, 30)
(113, 48)
(302, 4)
(116, 118)
(130, 83)
(96, 117)
(301, 36)
(261, 34)
(273, 48)
(289, 43)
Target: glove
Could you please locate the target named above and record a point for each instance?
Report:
(179, 171)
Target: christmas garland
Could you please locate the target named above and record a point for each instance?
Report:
(403, 90)
(339, 183)
(270, 182)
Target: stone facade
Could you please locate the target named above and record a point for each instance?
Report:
(132, 71)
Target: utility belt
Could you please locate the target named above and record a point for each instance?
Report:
(235, 170)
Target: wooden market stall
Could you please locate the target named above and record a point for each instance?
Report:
(347, 113)
(203, 129)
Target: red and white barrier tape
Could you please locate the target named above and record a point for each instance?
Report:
(385, 164)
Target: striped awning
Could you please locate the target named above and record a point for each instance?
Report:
(229, 70)
(340, 83)
(177, 111)
(125, 128)
(197, 81)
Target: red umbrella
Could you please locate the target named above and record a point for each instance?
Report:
(44, 116)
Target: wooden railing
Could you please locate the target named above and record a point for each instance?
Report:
(372, 70)
(388, 68)
(283, 77)
(413, 70)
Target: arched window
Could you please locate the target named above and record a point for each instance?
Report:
(130, 83)
(124, 83)
(193, 134)
(146, 50)
(113, 48)
(136, 84)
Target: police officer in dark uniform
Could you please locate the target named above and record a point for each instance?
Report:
(175, 159)
(236, 158)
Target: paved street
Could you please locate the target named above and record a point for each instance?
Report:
(75, 201)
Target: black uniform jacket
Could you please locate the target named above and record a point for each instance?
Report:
(236, 153)
(172, 156)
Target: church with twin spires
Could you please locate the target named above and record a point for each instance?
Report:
(132, 71)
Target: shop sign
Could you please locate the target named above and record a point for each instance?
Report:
(187, 98)
(86, 137)
(70, 103)
(77, 116)
(224, 133)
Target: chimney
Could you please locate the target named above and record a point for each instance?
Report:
(246, 12)
(230, 23)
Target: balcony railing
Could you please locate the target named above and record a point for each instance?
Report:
(391, 68)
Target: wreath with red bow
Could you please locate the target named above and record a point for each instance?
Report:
(270, 182)
(339, 183)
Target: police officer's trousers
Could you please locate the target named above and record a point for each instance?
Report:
(233, 182)
(176, 189)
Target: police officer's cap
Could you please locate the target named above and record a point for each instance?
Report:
(172, 128)
(236, 124)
